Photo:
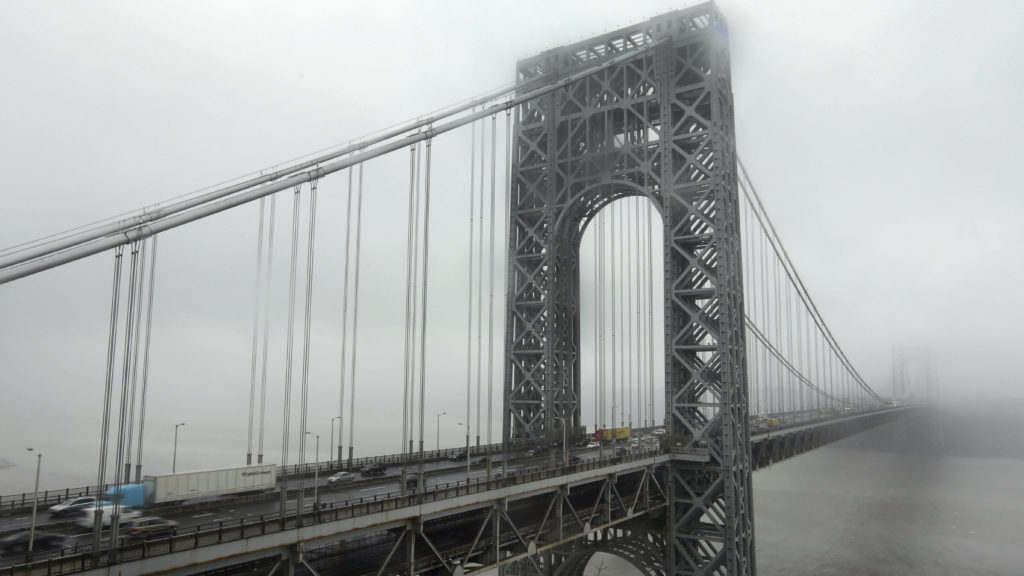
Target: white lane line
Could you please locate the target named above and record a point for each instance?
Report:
(203, 515)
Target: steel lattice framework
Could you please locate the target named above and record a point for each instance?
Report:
(659, 125)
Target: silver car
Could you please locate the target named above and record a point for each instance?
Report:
(72, 506)
(340, 477)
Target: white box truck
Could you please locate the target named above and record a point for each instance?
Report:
(178, 487)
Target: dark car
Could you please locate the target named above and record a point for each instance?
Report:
(148, 526)
(458, 457)
(43, 541)
(374, 469)
(573, 460)
(411, 480)
(480, 460)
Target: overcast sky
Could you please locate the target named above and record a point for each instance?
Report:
(884, 137)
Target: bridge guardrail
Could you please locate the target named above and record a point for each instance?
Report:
(73, 560)
(13, 503)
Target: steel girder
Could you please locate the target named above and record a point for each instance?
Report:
(658, 126)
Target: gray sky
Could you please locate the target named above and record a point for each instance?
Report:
(883, 137)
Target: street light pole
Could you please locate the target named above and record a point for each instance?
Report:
(437, 444)
(332, 440)
(35, 504)
(174, 460)
(316, 475)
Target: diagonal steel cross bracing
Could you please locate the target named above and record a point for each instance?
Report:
(659, 125)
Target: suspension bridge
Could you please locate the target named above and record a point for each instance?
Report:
(645, 288)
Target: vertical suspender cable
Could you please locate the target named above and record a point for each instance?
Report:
(641, 345)
(614, 277)
(417, 242)
(289, 348)
(628, 349)
(765, 386)
(408, 294)
(748, 304)
(107, 388)
(602, 398)
(490, 281)
(130, 320)
(789, 346)
(266, 328)
(355, 322)
(810, 359)
(469, 278)
(606, 300)
(266, 325)
(307, 322)
(344, 321)
(601, 289)
(480, 277)
(650, 305)
(597, 325)
(255, 329)
(623, 296)
(506, 218)
(140, 284)
(423, 307)
(777, 321)
(125, 383)
(145, 360)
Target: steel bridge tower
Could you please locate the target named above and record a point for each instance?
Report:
(658, 125)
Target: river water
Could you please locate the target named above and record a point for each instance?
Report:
(849, 509)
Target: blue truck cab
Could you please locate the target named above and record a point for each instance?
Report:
(127, 494)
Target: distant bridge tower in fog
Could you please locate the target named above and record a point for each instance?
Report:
(913, 376)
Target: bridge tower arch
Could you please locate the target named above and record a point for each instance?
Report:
(653, 118)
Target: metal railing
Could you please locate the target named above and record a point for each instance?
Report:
(14, 503)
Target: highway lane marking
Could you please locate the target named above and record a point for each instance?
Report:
(203, 515)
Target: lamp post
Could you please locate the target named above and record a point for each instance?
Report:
(316, 475)
(174, 460)
(35, 503)
(332, 440)
(467, 450)
(437, 443)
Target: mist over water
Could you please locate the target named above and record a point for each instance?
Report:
(937, 497)
(847, 509)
